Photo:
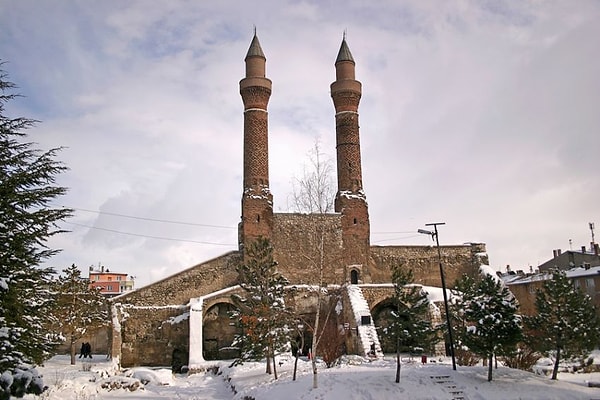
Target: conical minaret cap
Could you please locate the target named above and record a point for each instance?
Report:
(344, 54)
(255, 50)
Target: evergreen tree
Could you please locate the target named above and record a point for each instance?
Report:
(261, 314)
(27, 221)
(410, 326)
(490, 325)
(80, 308)
(566, 323)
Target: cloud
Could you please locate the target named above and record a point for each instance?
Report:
(482, 115)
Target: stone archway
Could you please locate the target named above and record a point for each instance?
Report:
(218, 332)
(382, 317)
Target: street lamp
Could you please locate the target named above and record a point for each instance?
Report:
(434, 236)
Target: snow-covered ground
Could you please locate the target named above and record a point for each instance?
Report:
(356, 378)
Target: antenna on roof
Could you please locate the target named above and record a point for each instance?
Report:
(254, 29)
(345, 32)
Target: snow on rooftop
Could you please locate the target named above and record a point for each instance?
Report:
(581, 271)
(577, 272)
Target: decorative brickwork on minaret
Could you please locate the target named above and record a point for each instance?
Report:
(350, 200)
(257, 200)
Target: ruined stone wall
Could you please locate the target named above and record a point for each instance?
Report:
(423, 260)
(98, 339)
(151, 334)
(196, 281)
(143, 336)
(296, 240)
(152, 323)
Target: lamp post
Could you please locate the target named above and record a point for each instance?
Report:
(434, 236)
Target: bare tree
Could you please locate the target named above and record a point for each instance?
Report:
(314, 191)
(316, 336)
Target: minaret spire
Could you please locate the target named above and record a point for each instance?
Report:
(350, 199)
(257, 200)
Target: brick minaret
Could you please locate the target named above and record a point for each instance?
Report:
(257, 200)
(350, 200)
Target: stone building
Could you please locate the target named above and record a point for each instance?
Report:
(184, 318)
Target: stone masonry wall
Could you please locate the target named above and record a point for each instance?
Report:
(153, 322)
(196, 281)
(296, 240)
(423, 260)
(151, 319)
(150, 335)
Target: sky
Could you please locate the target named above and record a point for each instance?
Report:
(483, 115)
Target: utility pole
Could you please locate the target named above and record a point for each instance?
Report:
(434, 235)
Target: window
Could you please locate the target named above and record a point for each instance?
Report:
(589, 283)
(576, 284)
(119, 278)
(109, 288)
(109, 278)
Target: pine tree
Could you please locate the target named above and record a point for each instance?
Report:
(261, 314)
(566, 323)
(490, 324)
(80, 308)
(27, 221)
(411, 325)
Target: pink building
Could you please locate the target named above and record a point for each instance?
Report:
(110, 283)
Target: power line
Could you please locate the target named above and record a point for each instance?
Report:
(193, 223)
(147, 236)
(394, 239)
(196, 224)
(151, 219)
(391, 233)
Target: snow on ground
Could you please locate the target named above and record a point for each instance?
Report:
(355, 378)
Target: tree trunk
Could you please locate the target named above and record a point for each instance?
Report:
(315, 341)
(295, 367)
(274, 362)
(398, 362)
(268, 368)
(556, 362)
(314, 368)
(300, 348)
(73, 350)
(490, 367)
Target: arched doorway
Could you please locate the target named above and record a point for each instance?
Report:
(383, 315)
(354, 277)
(218, 332)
